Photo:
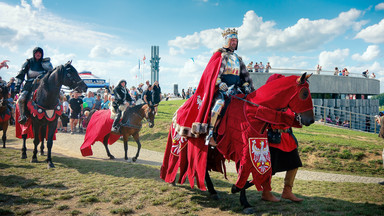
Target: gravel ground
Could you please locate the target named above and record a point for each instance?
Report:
(69, 145)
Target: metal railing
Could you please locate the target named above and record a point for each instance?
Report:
(295, 71)
(346, 119)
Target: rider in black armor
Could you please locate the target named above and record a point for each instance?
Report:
(233, 79)
(35, 68)
(122, 100)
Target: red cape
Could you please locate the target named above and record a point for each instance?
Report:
(190, 121)
(98, 127)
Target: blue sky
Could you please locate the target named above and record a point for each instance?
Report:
(110, 37)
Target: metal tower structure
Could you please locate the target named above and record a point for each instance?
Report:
(154, 64)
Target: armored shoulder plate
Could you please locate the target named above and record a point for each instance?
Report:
(46, 63)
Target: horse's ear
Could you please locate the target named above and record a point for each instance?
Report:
(69, 62)
(303, 78)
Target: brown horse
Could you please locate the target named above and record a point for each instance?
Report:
(5, 112)
(131, 126)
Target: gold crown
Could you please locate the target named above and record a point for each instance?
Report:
(229, 31)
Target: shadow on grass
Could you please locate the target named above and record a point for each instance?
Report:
(109, 167)
(310, 206)
(6, 166)
(18, 181)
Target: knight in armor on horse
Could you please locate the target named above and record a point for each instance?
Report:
(233, 78)
(122, 100)
(35, 68)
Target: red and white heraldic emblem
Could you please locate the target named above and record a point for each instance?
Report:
(259, 153)
(178, 143)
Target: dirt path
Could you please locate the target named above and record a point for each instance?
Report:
(69, 145)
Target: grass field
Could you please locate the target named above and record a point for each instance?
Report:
(94, 187)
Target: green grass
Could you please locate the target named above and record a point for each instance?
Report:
(321, 147)
(100, 187)
(93, 187)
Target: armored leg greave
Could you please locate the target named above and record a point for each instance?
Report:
(22, 103)
(215, 112)
(116, 122)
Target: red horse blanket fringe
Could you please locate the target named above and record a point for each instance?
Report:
(27, 127)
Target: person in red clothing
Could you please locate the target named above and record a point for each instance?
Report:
(284, 157)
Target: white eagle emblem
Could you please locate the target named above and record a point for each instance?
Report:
(260, 156)
(178, 143)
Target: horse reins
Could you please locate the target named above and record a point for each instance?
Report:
(297, 116)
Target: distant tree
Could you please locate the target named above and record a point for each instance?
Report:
(379, 97)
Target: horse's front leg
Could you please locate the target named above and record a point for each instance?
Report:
(248, 209)
(136, 137)
(4, 135)
(211, 189)
(43, 136)
(105, 142)
(51, 132)
(24, 147)
(36, 141)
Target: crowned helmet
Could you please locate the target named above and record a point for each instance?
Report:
(228, 34)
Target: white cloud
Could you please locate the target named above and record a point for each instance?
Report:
(371, 53)
(26, 25)
(379, 6)
(208, 38)
(256, 34)
(38, 4)
(103, 52)
(331, 59)
(373, 33)
(99, 52)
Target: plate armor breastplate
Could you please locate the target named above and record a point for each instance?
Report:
(233, 65)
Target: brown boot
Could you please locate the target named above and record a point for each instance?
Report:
(268, 196)
(288, 184)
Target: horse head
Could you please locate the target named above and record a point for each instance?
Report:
(72, 78)
(150, 115)
(280, 93)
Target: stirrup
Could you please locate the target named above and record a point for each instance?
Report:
(208, 139)
(115, 129)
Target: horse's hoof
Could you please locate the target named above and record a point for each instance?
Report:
(3, 146)
(125, 158)
(23, 156)
(111, 157)
(42, 153)
(248, 210)
(51, 166)
(235, 189)
(34, 160)
(134, 159)
(214, 196)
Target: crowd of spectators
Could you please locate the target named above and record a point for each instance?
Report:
(258, 67)
(76, 106)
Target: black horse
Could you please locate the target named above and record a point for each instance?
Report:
(45, 108)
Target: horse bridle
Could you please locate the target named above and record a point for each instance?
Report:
(67, 73)
(297, 115)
